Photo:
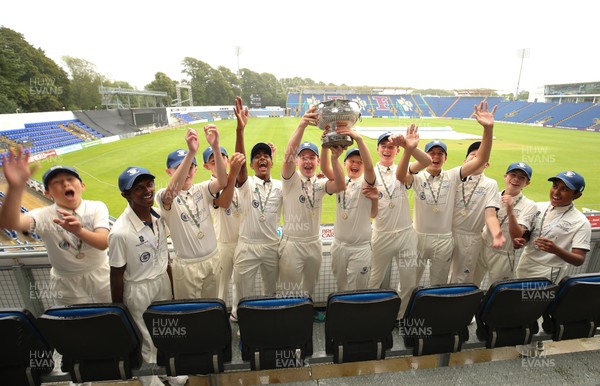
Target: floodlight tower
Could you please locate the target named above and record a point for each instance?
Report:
(238, 50)
(521, 53)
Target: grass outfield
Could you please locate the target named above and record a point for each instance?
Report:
(547, 150)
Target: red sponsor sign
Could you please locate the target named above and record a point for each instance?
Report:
(594, 220)
(41, 156)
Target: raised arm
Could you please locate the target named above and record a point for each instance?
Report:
(365, 154)
(236, 161)
(15, 166)
(337, 184)
(178, 178)
(212, 136)
(289, 159)
(326, 163)
(241, 114)
(486, 120)
(410, 144)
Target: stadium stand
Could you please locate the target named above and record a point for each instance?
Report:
(582, 115)
(565, 110)
(585, 118)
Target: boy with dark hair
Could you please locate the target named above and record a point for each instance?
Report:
(560, 234)
(139, 257)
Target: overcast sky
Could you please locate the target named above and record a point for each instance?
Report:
(423, 44)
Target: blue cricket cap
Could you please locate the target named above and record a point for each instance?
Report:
(308, 146)
(176, 157)
(54, 170)
(352, 151)
(573, 180)
(435, 143)
(208, 152)
(383, 137)
(128, 177)
(520, 166)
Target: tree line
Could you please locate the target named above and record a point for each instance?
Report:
(32, 82)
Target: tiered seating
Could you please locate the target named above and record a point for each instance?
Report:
(463, 108)
(525, 111)
(583, 119)
(565, 110)
(43, 136)
(439, 104)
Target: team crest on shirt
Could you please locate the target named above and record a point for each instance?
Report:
(185, 217)
(302, 199)
(422, 196)
(255, 203)
(228, 212)
(380, 195)
(144, 257)
(364, 270)
(141, 239)
(64, 244)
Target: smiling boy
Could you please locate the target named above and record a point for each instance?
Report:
(560, 234)
(303, 192)
(515, 209)
(185, 207)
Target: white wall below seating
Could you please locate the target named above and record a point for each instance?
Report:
(18, 121)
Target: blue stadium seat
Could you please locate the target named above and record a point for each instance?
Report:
(192, 336)
(575, 311)
(275, 332)
(509, 313)
(359, 324)
(437, 317)
(98, 341)
(25, 354)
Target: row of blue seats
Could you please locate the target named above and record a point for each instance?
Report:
(59, 142)
(102, 342)
(50, 123)
(550, 113)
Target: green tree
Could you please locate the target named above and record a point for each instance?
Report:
(29, 80)
(85, 81)
(200, 74)
(163, 83)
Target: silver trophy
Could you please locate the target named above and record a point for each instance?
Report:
(334, 113)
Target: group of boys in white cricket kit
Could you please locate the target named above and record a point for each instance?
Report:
(225, 229)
